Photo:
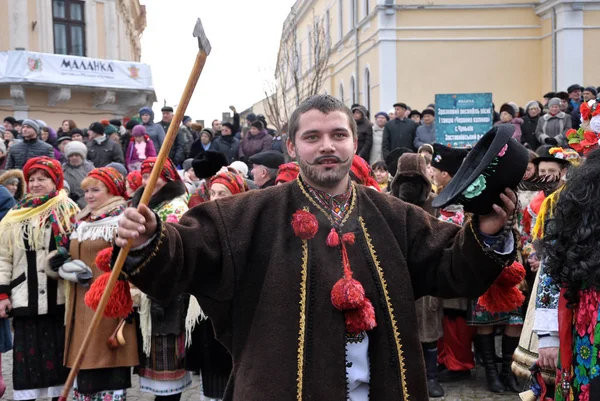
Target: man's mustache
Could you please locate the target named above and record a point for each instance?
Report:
(319, 159)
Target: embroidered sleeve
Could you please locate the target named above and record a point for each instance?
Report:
(546, 304)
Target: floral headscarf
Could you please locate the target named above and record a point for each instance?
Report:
(134, 179)
(287, 172)
(110, 177)
(168, 173)
(50, 166)
(235, 183)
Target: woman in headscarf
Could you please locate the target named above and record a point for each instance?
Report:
(106, 370)
(362, 174)
(165, 328)
(134, 181)
(37, 225)
(207, 354)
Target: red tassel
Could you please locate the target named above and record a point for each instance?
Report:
(103, 259)
(333, 239)
(348, 238)
(347, 294)
(119, 304)
(511, 275)
(362, 319)
(501, 299)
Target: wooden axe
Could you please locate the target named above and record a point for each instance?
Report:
(203, 52)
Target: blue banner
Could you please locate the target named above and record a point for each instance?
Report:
(462, 118)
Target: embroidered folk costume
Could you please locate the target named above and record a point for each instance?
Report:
(106, 369)
(28, 233)
(166, 327)
(272, 306)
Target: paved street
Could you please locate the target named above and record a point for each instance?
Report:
(464, 391)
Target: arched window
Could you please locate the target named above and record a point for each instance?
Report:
(367, 82)
(342, 92)
(352, 90)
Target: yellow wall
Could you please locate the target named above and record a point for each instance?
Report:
(34, 38)
(4, 30)
(591, 41)
(100, 30)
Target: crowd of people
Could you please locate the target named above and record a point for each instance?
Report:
(62, 193)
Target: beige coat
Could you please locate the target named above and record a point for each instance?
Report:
(79, 318)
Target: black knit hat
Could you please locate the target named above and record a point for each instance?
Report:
(447, 159)
(11, 120)
(508, 108)
(495, 163)
(116, 122)
(130, 124)
(592, 90)
(97, 128)
(228, 125)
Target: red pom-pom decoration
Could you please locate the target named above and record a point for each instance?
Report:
(501, 299)
(511, 275)
(103, 259)
(348, 238)
(119, 304)
(347, 294)
(333, 239)
(362, 319)
(305, 224)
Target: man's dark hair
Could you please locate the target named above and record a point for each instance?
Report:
(325, 104)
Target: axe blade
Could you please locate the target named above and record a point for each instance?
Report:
(203, 42)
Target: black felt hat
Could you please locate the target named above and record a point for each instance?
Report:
(496, 162)
(549, 153)
(391, 160)
(448, 159)
(269, 158)
(209, 163)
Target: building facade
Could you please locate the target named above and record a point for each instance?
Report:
(388, 51)
(72, 59)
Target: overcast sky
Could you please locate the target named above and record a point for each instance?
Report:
(244, 36)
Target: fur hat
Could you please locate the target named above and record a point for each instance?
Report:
(76, 147)
(11, 175)
(209, 163)
(392, 159)
(257, 124)
(509, 109)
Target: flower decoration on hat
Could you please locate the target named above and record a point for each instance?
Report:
(477, 187)
(437, 158)
(558, 153)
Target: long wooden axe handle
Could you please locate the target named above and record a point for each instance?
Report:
(203, 52)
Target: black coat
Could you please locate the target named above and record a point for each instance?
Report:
(228, 145)
(528, 132)
(398, 134)
(104, 153)
(365, 135)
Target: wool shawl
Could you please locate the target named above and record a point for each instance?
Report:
(30, 223)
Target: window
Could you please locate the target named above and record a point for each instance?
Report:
(368, 89)
(69, 27)
(353, 13)
(342, 92)
(341, 18)
(367, 7)
(352, 90)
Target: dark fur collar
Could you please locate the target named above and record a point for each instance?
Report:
(169, 192)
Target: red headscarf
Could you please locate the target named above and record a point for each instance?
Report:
(361, 172)
(287, 172)
(114, 181)
(235, 183)
(168, 172)
(135, 180)
(50, 166)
